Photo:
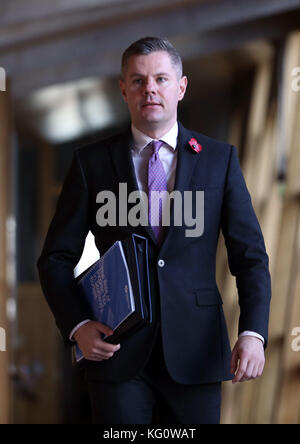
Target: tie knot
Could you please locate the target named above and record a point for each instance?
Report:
(157, 145)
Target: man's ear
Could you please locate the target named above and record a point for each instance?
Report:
(123, 89)
(182, 87)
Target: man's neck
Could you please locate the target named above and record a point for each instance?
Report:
(154, 132)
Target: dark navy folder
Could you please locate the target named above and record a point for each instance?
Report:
(117, 288)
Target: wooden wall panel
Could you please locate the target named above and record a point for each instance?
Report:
(272, 139)
(293, 174)
(288, 400)
(257, 121)
(39, 393)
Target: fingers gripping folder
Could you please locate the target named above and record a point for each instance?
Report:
(117, 288)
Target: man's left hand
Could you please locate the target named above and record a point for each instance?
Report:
(248, 359)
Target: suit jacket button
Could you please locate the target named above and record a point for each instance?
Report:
(161, 263)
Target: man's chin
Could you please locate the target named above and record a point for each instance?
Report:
(152, 122)
(152, 117)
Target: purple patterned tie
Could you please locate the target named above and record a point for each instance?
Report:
(157, 181)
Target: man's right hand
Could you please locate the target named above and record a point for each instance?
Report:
(91, 344)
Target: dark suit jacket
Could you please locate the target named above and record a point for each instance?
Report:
(187, 303)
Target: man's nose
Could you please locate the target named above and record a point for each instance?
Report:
(150, 86)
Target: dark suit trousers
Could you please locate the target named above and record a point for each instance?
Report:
(153, 397)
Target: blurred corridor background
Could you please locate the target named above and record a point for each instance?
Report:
(59, 71)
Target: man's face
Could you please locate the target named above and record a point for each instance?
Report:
(152, 88)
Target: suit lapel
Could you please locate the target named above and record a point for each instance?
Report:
(186, 162)
(121, 157)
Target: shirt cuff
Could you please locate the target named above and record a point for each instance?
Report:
(77, 328)
(252, 333)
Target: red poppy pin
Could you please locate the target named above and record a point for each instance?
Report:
(195, 145)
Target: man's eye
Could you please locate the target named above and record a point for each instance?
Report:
(137, 81)
(162, 79)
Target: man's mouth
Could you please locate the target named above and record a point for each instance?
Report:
(150, 104)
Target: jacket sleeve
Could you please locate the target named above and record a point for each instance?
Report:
(247, 257)
(62, 250)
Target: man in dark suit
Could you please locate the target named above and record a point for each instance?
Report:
(177, 362)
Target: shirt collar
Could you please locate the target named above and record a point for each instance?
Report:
(141, 140)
